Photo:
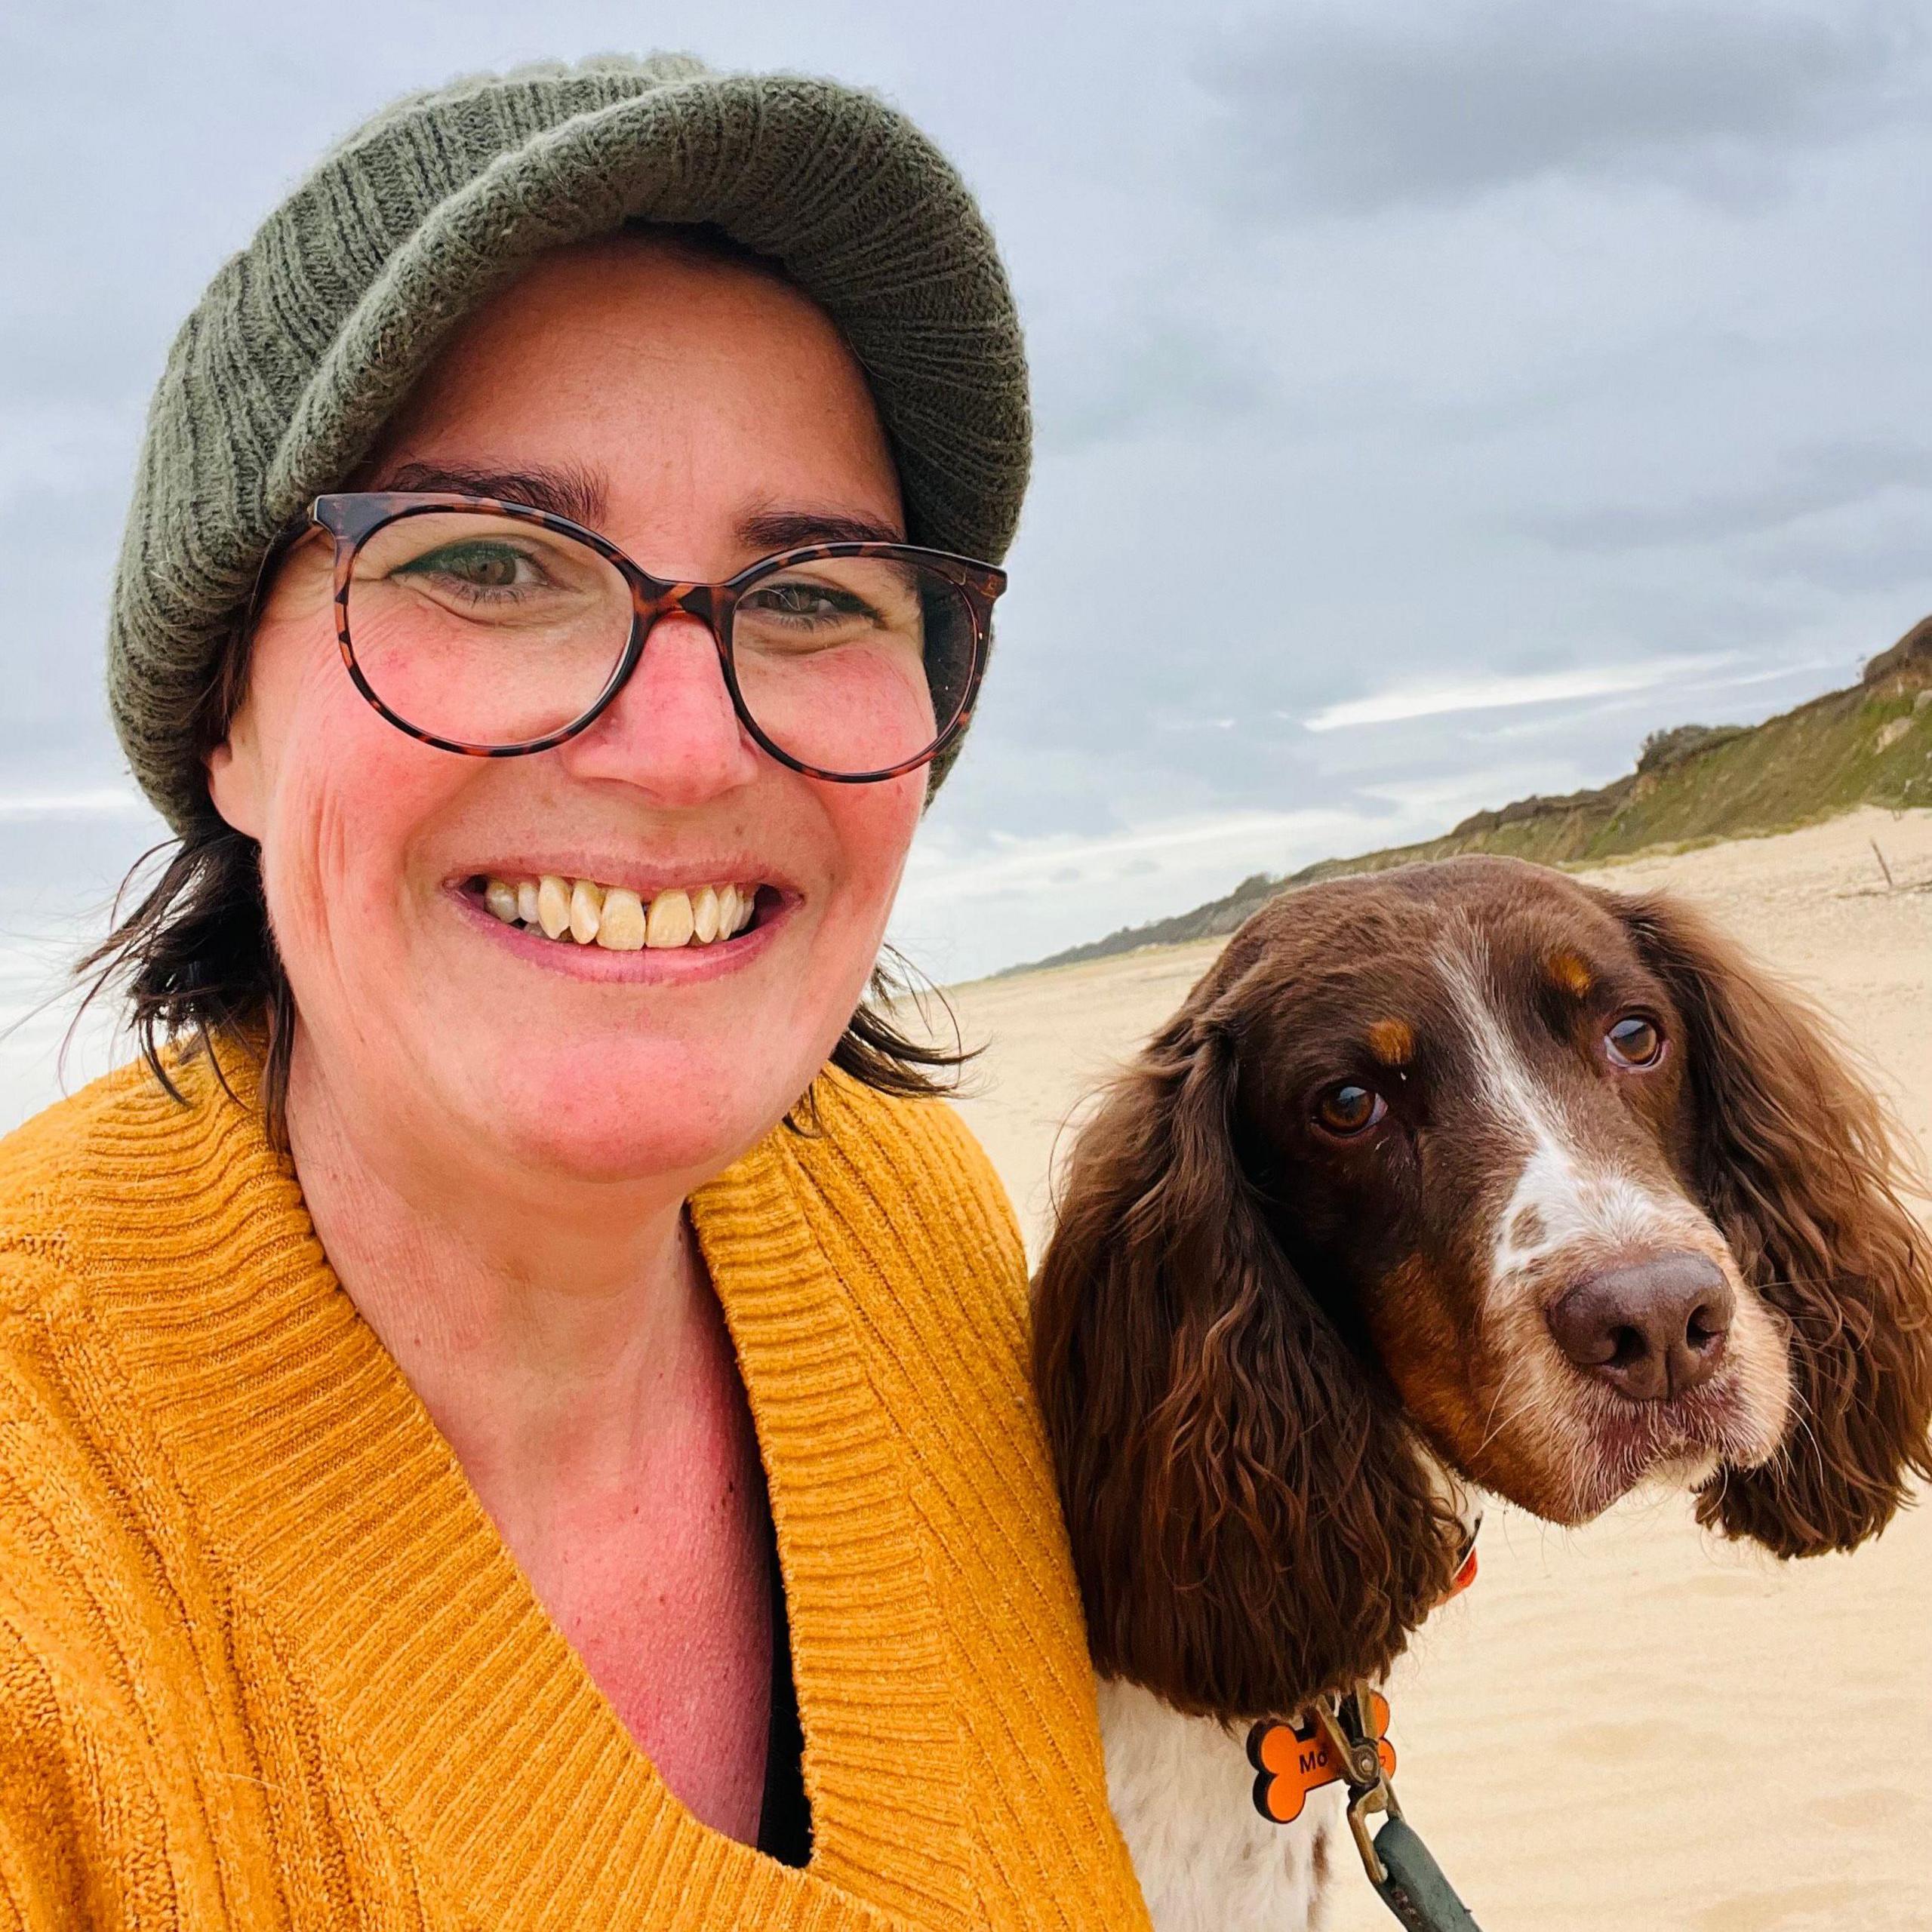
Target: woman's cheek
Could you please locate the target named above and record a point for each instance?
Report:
(881, 819)
(347, 790)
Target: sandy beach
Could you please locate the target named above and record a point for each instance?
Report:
(1630, 1725)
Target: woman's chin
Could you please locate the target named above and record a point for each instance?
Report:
(630, 1111)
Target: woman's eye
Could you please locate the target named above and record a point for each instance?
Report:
(807, 602)
(474, 566)
(1635, 1042)
(1348, 1110)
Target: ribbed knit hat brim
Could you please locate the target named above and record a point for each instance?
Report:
(307, 341)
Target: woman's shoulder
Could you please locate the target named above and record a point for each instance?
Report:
(893, 1202)
(59, 1206)
(122, 1203)
(919, 1147)
(95, 1558)
(69, 1169)
(40, 1163)
(71, 1179)
(909, 1173)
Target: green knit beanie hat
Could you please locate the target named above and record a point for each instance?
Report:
(307, 340)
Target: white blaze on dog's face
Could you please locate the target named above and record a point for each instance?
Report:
(1641, 1346)
(1472, 1104)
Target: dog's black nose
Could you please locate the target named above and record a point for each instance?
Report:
(1650, 1329)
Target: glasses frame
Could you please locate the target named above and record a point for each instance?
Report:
(352, 518)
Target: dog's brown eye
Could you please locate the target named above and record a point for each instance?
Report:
(1635, 1042)
(1350, 1109)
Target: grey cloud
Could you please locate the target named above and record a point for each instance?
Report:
(1810, 482)
(1356, 110)
(1858, 557)
(1144, 370)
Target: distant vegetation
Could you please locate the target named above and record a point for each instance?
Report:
(1869, 745)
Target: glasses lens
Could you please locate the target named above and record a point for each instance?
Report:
(485, 630)
(854, 665)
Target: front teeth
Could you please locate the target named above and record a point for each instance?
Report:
(620, 928)
(586, 907)
(553, 906)
(615, 918)
(669, 923)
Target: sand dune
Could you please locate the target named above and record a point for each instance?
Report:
(1630, 1725)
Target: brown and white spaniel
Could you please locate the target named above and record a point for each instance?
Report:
(1462, 1174)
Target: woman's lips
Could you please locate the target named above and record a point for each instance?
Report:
(574, 910)
(680, 963)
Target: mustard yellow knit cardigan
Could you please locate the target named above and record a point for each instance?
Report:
(264, 1662)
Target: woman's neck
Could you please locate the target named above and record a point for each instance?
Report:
(543, 1322)
(566, 1341)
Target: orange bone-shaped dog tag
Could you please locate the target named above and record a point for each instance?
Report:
(1291, 1760)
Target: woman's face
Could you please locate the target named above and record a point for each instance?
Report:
(701, 405)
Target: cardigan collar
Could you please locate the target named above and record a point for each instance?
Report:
(343, 1522)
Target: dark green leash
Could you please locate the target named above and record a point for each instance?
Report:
(1412, 1885)
(1343, 1737)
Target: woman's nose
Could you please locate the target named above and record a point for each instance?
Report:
(671, 731)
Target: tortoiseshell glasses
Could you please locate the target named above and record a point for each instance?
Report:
(490, 628)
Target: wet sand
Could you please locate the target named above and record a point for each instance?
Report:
(1630, 1725)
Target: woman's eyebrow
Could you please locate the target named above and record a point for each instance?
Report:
(565, 490)
(768, 530)
(579, 494)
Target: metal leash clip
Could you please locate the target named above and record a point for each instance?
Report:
(1347, 1726)
(1342, 1738)
(1406, 1878)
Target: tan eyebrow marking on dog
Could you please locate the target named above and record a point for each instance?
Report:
(1392, 1042)
(1567, 971)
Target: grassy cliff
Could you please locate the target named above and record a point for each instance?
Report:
(1869, 745)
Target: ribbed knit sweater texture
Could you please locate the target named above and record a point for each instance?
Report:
(265, 1661)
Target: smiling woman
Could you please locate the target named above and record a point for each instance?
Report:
(516, 1411)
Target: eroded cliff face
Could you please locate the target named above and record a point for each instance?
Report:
(1868, 744)
(1908, 664)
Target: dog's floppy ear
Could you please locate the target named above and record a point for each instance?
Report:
(1797, 1168)
(1251, 1521)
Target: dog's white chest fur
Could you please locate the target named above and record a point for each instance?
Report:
(1183, 1790)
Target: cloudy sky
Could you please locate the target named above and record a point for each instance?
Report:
(1434, 395)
